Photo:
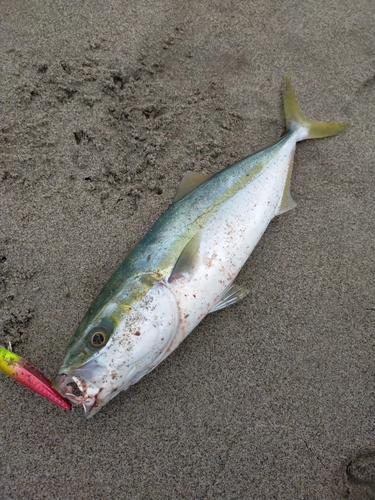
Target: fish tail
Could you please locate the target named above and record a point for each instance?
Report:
(296, 120)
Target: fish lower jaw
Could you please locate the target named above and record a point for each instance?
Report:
(87, 403)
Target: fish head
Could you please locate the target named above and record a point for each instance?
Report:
(115, 350)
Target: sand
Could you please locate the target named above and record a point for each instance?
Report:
(104, 106)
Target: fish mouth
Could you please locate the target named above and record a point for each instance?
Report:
(92, 385)
(85, 385)
(77, 389)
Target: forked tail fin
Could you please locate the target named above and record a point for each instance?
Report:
(295, 119)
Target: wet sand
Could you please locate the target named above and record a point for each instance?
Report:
(104, 106)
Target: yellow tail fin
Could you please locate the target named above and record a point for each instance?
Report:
(296, 119)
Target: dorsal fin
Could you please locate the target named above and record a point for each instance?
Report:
(187, 259)
(189, 182)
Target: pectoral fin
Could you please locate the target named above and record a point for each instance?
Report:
(187, 260)
(231, 295)
(190, 181)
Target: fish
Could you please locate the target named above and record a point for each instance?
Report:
(183, 268)
(25, 373)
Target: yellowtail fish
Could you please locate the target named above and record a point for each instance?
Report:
(183, 268)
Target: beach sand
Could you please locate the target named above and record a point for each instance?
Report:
(104, 106)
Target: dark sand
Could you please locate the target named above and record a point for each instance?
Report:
(104, 106)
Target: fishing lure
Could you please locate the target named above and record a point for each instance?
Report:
(24, 372)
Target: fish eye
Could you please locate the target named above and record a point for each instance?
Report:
(98, 339)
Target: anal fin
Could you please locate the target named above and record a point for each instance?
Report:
(231, 295)
(287, 203)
